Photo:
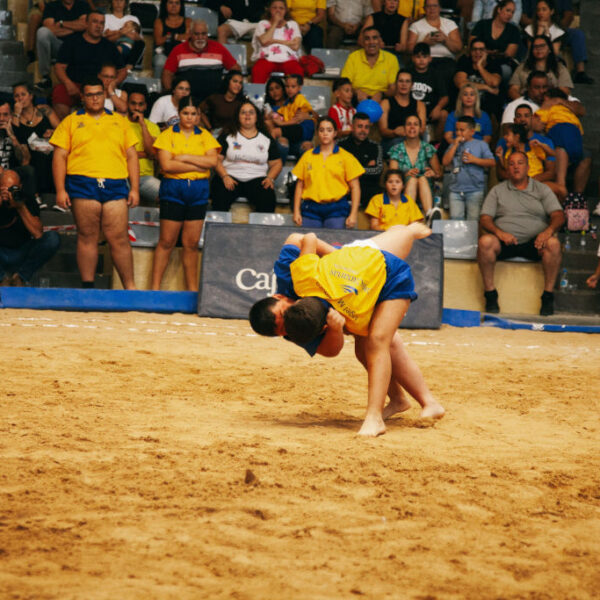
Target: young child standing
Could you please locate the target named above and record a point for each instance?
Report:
(293, 122)
(392, 207)
(469, 158)
(342, 112)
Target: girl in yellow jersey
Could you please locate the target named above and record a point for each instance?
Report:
(325, 176)
(186, 154)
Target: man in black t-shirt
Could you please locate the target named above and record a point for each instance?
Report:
(484, 73)
(429, 86)
(80, 57)
(368, 153)
(24, 247)
(61, 19)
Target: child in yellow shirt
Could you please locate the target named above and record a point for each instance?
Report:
(393, 207)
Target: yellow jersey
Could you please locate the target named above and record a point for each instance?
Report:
(198, 143)
(146, 164)
(326, 179)
(350, 279)
(371, 79)
(290, 107)
(303, 11)
(558, 114)
(403, 213)
(96, 146)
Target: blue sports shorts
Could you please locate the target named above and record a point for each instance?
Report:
(399, 282)
(325, 210)
(189, 192)
(90, 188)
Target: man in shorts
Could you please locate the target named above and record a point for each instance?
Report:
(520, 217)
(93, 157)
(372, 288)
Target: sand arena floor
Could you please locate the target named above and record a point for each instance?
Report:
(149, 456)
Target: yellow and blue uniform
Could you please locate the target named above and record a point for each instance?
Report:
(353, 279)
(382, 208)
(325, 184)
(97, 154)
(288, 111)
(189, 189)
(564, 129)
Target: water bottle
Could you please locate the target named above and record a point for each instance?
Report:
(582, 241)
(564, 281)
(567, 243)
(594, 231)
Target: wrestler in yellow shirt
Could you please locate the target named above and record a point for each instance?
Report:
(350, 279)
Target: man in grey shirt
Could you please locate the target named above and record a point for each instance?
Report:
(520, 217)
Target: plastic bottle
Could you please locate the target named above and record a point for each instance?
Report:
(567, 243)
(594, 231)
(582, 241)
(564, 281)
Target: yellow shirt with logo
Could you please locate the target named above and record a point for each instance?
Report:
(289, 109)
(350, 279)
(371, 79)
(97, 147)
(198, 143)
(326, 180)
(382, 208)
(146, 164)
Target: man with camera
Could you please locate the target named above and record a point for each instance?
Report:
(24, 247)
(146, 132)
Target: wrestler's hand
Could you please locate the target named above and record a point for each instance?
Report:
(335, 320)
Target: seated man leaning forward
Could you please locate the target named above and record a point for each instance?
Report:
(370, 305)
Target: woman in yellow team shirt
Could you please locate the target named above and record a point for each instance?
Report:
(186, 154)
(325, 176)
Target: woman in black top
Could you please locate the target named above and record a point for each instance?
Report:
(396, 109)
(500, 36)
(218, 110)
(41, 120)
(171, 28)
(392, 27)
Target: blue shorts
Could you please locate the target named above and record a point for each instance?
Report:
(568, 136)
(189, 192)
(399, 282)
(325, 210)
(90, 188)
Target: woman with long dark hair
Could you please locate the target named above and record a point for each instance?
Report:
(170, 28)
(249, 163)
(219, 110)
(541, 57)
(544, 24)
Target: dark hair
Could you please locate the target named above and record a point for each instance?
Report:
(391, 172)
(262, 318)
(535, 75)
(328, 120)
(468, 121)
(406, 72)
(234, 126)
(338, 83)
(518, 130)
(551, 62)
(371, 28)
(551, 6)
(295, 76)
(524, 105)
(304, 320)
(90, 81)
(177, 80)
(125, 8)
(227, 79)
(501, 4)
(138, 89)
(361, 116)
(109, 64)
(415, 116)
(519, 152)
(162, 11)
(185, 102)
(267, 14)
(556, 93)
(477, 40)
(421, 49)
(24, 84)
(279, 81)
(94, 11)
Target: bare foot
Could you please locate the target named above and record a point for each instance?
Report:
(372, 426)
(396, 406)
(433, 410)
(419, 230)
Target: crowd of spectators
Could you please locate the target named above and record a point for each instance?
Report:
(462, 85)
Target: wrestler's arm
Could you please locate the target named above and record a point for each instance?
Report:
(322, 248)
(333, 340)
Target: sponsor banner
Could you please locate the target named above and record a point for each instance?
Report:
(237, 270)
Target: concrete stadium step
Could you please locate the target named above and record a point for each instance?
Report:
(68, 280)
(580, 302)
(580, 260)
(13, 62)
(10, 78)
(11, 47)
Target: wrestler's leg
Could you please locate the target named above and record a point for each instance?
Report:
(399, 239)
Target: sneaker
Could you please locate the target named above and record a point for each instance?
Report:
(58, 208)
(41, 204)
(434, 214)
(491, 302)
(596, 211)
(547, 308)
(582, 77)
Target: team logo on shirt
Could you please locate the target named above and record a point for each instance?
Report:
(80, 125)
(350, 289)
(237, 146)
